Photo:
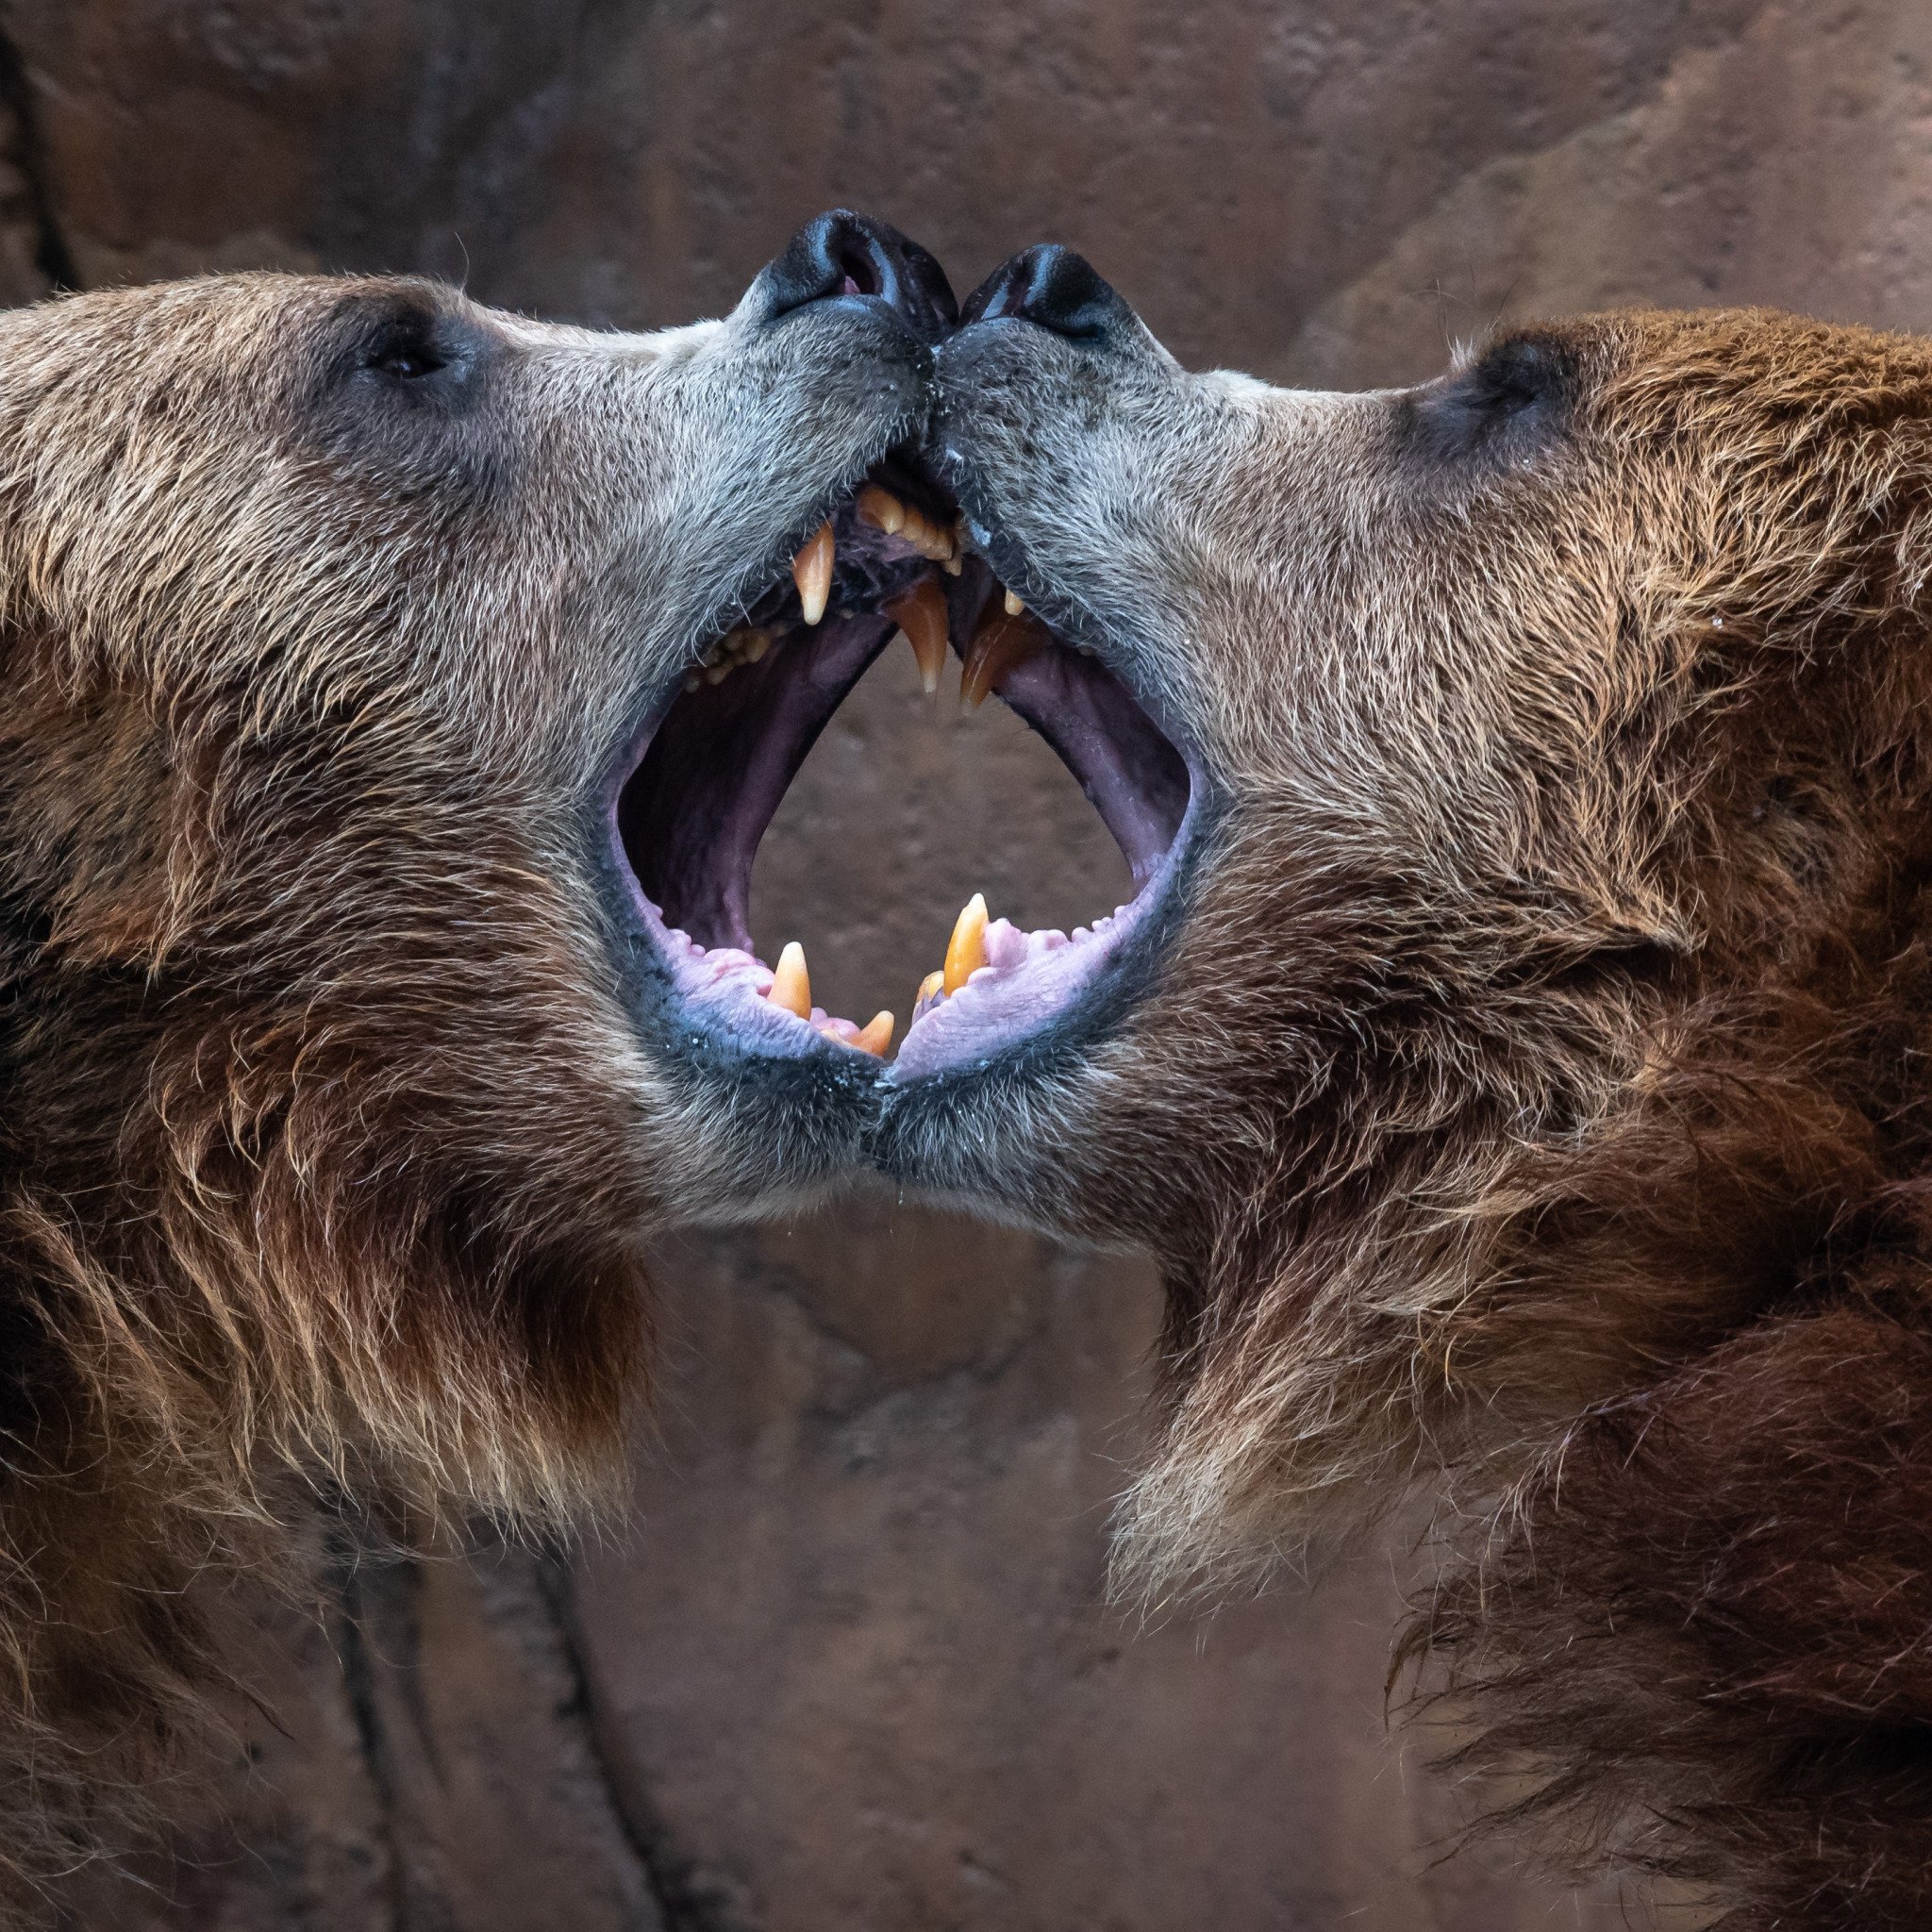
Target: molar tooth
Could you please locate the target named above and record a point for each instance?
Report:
(811, 571)
(921, 614)
(790, 985)
(998, 646)
(966, 949)
(875, 1035)
(881, 509)
(1014, 606)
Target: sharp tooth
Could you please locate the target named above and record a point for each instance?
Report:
(953, 565)
(998, 646)
(811, 571)
(875, 1035)
(1014, 606)
(791, 986)
(881, 509)
(921, 614)
(966, 949)
(931, 986)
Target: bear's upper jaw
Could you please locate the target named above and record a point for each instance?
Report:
(732, 735)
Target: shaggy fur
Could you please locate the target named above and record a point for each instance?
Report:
(1531, 1098)
(329, 1145)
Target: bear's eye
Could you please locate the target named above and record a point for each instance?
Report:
(406, 351)
(1502, 404)
(407, 362)
(1515, 376)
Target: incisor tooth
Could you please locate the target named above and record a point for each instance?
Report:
(881, 509)
(790, 985)
(966, 949)
(921, 614)
(875, 1035)
(933, 983)
(998, 646)
(811, 571)
(1014, 606)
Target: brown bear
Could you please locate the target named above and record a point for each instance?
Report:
(1516, 1051)
(337, 1087)
(1523, 1077)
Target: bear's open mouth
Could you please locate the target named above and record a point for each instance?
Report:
(710, 775)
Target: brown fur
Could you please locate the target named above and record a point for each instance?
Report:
(1530, 1101)
(330, 1136)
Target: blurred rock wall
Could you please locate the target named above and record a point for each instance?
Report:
(850, 1668)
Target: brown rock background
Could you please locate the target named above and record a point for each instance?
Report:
(849, 1668)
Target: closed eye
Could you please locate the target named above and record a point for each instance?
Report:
(405, 349)
(409, 362)
(1510, 400)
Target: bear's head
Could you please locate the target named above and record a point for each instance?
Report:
(1529, 983)
(338, 1100)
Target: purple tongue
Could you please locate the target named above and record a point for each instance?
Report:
(694, 812)
(1136, 782)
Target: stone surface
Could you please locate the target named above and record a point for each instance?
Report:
(850, 1667)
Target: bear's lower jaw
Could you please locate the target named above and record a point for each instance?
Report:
(733, 731)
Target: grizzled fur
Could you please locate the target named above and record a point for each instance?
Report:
(1532, 1103)
(328, 1141)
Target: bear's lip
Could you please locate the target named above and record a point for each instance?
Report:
(723, 744)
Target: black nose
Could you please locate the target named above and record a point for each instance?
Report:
(845, 254)
(1054, 288)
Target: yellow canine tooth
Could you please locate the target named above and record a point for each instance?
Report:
(881, 509)
(1014, 606)
(921, 614)
(932, 984)
(874, 1036)
(811, 571)
(999, 645)
(966, 949)
(790, 985)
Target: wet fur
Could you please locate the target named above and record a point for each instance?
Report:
(1532, 1108)
(328, 1143)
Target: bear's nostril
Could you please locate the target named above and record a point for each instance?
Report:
(847, 253)
(1055, 289)
(862, 277)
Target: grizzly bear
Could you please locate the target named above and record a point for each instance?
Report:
(1520, 1067)
(1516, 1051)
(340, 1090)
